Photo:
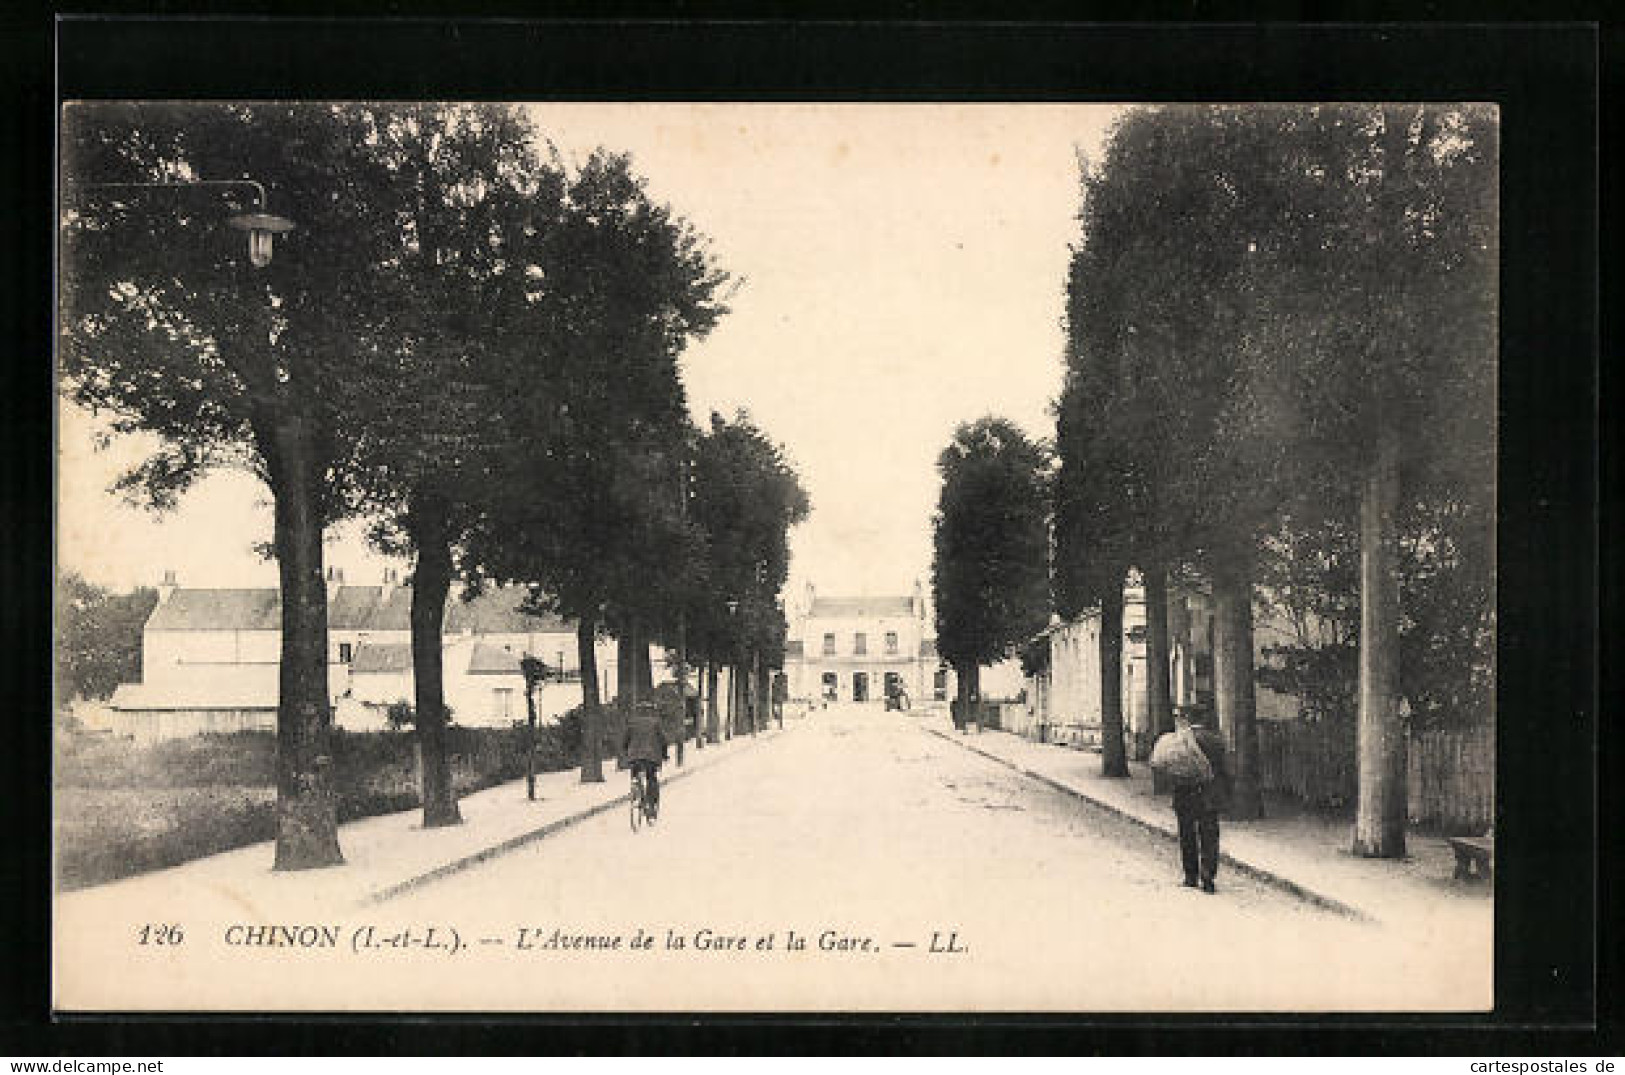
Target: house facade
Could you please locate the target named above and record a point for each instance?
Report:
(1063, 694)
(849, 648)
(211, 657)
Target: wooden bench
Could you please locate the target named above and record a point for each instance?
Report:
(1475, 856)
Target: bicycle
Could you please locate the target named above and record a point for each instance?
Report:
(642, 810)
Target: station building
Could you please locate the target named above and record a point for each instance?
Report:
(852, 648)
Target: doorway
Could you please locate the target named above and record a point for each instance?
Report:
(860, 686)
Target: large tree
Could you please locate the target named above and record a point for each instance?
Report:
(1266, 301)
(1158, 309)
(1090, 502)
(170, 328)
(1378, 361)
(746, 499)
(583, 504)
(990, 540)
(468, 189)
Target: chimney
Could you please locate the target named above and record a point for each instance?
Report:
(919, 599)
(392, 579)
(167, 586)
(335, 579)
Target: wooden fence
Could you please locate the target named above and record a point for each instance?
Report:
(1451, 784)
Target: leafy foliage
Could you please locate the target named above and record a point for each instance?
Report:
(1256, 291)
(583, 499)
(166, 327)
(990, 543)
(98, 636)
(470, 192)
(746, 499)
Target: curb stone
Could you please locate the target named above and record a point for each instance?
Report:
(1258, 873)
(514, 843)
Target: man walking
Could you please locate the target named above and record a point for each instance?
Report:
(1197, 802)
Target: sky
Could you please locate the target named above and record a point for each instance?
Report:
(900, 268)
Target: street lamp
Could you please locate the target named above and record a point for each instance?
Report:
(262, 228)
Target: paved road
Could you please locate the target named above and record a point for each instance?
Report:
(858, 825)
(868, 839)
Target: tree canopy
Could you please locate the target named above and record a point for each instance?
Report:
(990, 543)
(746, 499)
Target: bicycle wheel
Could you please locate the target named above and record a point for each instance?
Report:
(637, 803)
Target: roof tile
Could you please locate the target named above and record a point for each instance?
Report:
(860, 608)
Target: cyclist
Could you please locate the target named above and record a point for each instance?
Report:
(644, 748)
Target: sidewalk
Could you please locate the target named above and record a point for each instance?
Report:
(1293, 849)
(391, 854)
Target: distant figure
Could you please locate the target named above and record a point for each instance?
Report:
(644, 748)
(1194, 760)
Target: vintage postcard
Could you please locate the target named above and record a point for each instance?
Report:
(793, 557)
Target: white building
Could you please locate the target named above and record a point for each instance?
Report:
(1063, 697)
(849, 648)
(210, 659)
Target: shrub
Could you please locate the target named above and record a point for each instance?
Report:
(400, 716)
(122, 810)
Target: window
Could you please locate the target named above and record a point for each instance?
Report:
(891, 643)
(503, 703)
(829, 644)
(346, 652)
(860, 643)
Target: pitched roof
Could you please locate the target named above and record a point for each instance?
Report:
(382, 657)
(498, 612)
(352, 608)
(394, 613)
(861, 608)
(493, 660)
(220, 610)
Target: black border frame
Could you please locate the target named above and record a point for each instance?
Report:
(1546, 77)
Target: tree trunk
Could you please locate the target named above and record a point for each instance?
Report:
(731, 718)
(711, 716)
(968, 688)
(1158, 693)
(626, 675)
(306, 824)
(973, 675)
(682, 696)
(645, 665)
(1234, 692)
(764, 692)
(1380, 817)
(1113, 752)
(961, 702)
(1158, 689)
(431, 582)
(592, 720)
(757, 700)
